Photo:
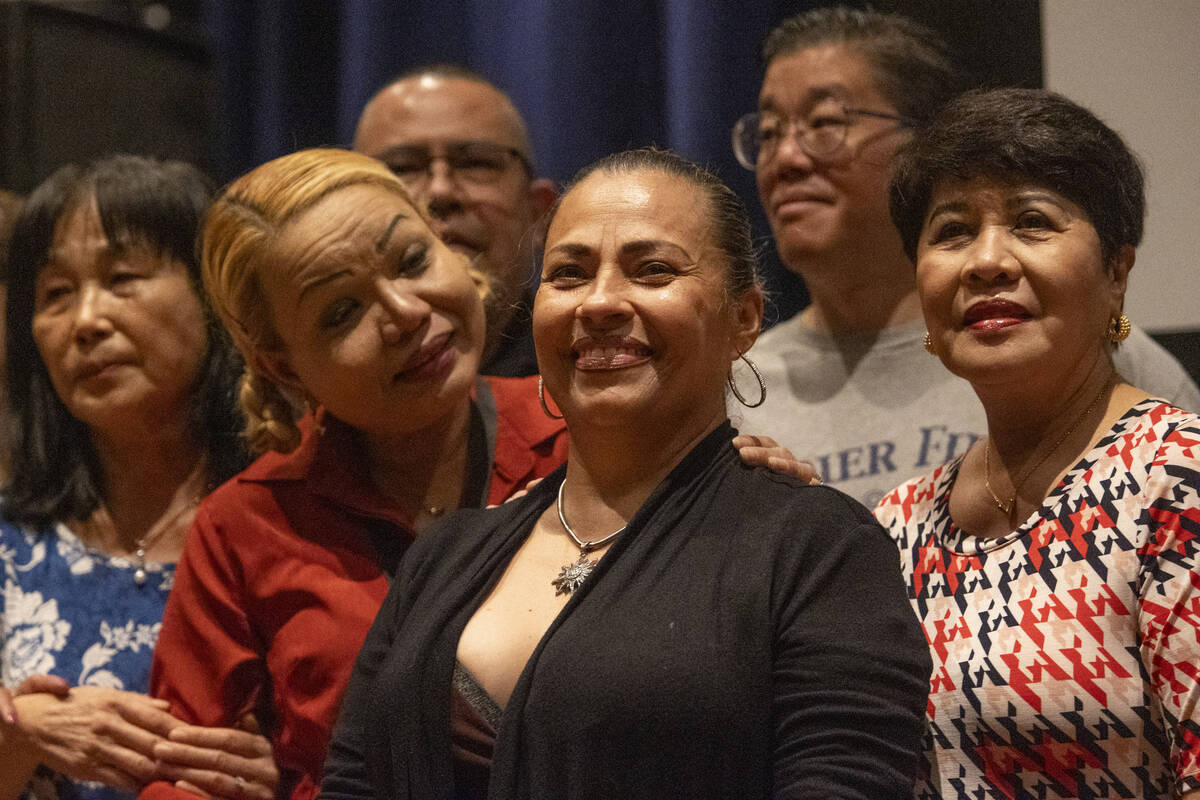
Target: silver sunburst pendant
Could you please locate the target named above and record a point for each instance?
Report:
(572, 575)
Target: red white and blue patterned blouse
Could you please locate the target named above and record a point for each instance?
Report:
(1067, 653)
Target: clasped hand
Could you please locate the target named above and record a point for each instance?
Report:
(126, 740)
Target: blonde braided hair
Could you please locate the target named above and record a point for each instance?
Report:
(270, 415)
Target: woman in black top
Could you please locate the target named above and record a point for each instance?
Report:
(656, 619)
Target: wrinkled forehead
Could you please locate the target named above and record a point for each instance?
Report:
(613, 207)
(357, 216)
(433, 111)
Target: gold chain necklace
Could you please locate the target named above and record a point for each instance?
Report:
(987, 460)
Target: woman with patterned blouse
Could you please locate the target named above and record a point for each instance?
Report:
(1054, 565)
(121, 383)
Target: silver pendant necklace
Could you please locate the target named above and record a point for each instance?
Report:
(572, 575)
(142, 545)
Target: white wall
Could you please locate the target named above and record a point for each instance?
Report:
(1136, 64)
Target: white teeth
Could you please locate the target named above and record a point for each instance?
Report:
(608, 353)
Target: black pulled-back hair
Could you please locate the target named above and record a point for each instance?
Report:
(54, 473)
(730, 222)
(911, 64)
(1028, 135)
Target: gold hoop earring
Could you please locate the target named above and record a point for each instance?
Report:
(1119, 328)
(928, 342)
(542, 400)
(762, 386)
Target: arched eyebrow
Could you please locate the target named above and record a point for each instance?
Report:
(1034, 195)
(381, 245)
(571, 250)
(642, 247)
(638, 247)
(948, 207)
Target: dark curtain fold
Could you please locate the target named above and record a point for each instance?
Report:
(591, 78)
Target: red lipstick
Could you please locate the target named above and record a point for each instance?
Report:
(995, 314)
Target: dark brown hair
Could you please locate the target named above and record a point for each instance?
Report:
(1030, 135)
(912, 66)
(144, 202)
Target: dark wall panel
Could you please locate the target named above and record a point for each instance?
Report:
(77, 86)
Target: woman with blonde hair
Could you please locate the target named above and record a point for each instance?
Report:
(340, 298)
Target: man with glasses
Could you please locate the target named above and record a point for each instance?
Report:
(462, 149)
(851, 387)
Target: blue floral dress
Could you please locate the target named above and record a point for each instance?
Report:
(72, 611)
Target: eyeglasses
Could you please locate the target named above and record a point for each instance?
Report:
(475, 163)
(822, 132)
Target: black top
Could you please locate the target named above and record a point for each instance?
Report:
(747, 636)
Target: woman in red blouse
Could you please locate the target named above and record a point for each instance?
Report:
(342, 300)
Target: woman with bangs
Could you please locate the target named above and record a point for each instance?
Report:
(121, 383)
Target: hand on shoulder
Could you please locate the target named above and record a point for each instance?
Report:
(763, 451)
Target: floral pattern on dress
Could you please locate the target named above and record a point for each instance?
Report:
(32, 635)
(71, 611)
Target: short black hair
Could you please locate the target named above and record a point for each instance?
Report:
(730, 222)
(141, 201)
(1023, 134)
(913, 67)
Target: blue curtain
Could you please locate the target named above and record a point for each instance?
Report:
(590, 77)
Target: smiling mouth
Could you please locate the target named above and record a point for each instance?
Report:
(430, 360)
(992, 315)
(604, 355)
(799, 200)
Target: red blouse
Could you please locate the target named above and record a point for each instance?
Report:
(280, 580)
